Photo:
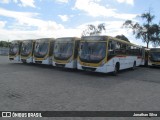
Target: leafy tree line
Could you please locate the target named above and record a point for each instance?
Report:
(93, 30)
(4, 44)
(147, 31)
(122, 37)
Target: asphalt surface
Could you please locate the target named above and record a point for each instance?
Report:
(29, 87)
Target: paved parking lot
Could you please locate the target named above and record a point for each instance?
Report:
(44, 88)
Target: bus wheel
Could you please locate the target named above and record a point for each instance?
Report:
(116, 69)
(134, 66)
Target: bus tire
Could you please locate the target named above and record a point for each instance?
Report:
(134, 65)
(116, 69)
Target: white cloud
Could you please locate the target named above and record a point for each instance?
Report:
(15, 1)
(125, 16)
(26, 3)
(22, 3)
(94, 9)
(63, 1)
(2, 24)
(24, 22)
(64, 18)
(19, 35)
(131, 2)
(26, 18)
(14, 14)
(5, 1)
(52, 29)
(22, 35)
(68, 32)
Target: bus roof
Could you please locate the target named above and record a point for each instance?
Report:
(123, 41)
(97, 38)
(103, 38)
(45, 39)
(28, 40)
(16, 41)
(69, 38)
(155, 49)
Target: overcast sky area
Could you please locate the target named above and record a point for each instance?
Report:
(31, 19)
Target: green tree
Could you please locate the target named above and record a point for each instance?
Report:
(148, 32)
(155, 35)
(122, 37)
(4, 44)
(93, 30)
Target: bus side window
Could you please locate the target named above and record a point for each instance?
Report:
(128, 49)
(124, 46)
(111, 48)
(118, 48)
(81, 46)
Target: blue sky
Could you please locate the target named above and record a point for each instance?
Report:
(27, 19)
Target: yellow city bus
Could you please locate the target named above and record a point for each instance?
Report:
(27, 48)
(107, 54)
(43, 51)
(65, 52)
(154, 57)
(14, 50)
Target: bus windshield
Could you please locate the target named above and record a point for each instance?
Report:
(26, 48)
(155, 56)
(63, 50)
(41, 49)
(92, 52)
(14, 48)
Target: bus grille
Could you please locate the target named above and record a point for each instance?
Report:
(88, 69)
